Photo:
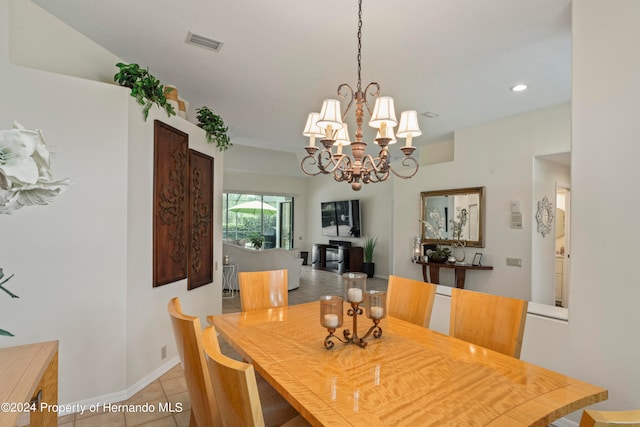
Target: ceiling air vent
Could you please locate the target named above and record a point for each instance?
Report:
(202, 41)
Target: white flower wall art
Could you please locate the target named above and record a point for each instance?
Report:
(25, 170)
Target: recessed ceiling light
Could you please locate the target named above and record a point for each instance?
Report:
(518, 88)
(430, 114)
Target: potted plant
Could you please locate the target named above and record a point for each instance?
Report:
(440, 254)
(257, 240)
(214, 126)
(369, 246)
(145, 88)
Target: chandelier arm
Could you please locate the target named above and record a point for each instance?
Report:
(312, 160)
(343, 95)
(373, 93)
(342, 170)
(407, 161)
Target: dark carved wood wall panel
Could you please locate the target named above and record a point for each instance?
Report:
(170, 186)
(200, 219)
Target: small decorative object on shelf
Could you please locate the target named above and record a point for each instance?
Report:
(417, 249)
(440, 255)
(458, 250)
(355, 293)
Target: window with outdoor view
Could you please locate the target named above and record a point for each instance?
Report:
(258, 220)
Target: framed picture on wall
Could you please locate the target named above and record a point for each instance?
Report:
(476, 259)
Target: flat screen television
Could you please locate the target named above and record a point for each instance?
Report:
(341, 219)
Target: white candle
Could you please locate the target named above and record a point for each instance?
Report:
(408, 143)
(354, 294)
(376, 312)
(331, 320)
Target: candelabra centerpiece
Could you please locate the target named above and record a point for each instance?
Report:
(329, 126)
(355, 293)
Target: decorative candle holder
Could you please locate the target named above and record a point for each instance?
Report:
(355, 293)
(355, 285)
(331, 313)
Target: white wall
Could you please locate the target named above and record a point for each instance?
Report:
(39, 40)
(148, 325)
(603, 298)
(83, 264)
(499, 156)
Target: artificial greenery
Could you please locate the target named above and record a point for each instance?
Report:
(214, 126)
(440, 254)
(369, 246)
(145, 88)
(11, 294)
(257, 240)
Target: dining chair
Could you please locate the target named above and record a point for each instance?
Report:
(188, 334)
(490, 321)
(237, 392)
(410, 300)
(260, 290)
(593, 418)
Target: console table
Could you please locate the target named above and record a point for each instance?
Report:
(460, 271)
(337, 258)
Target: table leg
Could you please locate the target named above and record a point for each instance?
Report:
(434, 274)
(460, 275)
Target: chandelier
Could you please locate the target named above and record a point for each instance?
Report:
(329, 126)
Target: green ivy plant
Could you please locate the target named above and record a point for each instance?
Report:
(145, 88)
(214, 126)
(11, 294)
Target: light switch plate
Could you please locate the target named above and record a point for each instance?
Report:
(514, 262)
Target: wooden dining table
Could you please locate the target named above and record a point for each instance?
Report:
(410, 376)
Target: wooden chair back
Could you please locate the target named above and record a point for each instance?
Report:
(234, 385)
(491, 321)
(593, 418)
(410, 300)
(260, 290)
(188, 335)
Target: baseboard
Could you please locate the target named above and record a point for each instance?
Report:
(69, 408)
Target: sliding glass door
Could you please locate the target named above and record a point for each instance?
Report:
(247, 216)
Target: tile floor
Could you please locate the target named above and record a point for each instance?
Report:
(171, 387)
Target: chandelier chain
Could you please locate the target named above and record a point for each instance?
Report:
(359, 43)
(359, 168)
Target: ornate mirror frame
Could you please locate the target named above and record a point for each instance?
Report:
(544, 216)
(475, 213)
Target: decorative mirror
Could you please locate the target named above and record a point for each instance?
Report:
(455, 215)
(544, 216)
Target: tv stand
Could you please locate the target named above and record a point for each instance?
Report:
(337, 257)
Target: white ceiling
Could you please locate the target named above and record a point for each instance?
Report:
(281, 58)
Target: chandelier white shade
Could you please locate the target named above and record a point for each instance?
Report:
(384, 112)
(330, 116)
(358, 168)
(409, 126)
